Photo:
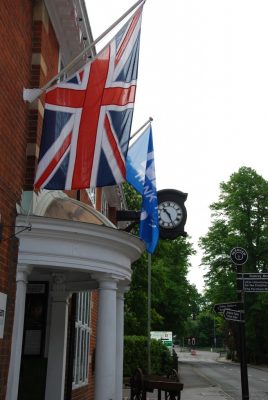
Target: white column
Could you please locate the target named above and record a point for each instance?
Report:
(106, 341)
(55, 382)
(17, 333)
(119, 343)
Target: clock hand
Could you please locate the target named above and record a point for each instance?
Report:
(168, 214)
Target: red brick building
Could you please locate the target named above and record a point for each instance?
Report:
(64, 266)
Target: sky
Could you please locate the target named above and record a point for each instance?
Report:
(203, 78)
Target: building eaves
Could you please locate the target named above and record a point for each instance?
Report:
(71, 24)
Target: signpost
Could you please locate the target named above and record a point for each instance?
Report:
(234, 315)
(253, 282)
(254, 275)
(219, 308)
(234, 311)
(239, 257)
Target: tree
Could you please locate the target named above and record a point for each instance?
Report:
(173, 298)
(240, 218)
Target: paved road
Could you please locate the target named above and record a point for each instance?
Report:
(206, 377)
(197, 386)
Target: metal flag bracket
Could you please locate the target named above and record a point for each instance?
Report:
(24, 228)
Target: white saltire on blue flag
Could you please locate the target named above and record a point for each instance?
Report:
(140, 173)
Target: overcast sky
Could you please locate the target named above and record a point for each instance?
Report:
(203, 77)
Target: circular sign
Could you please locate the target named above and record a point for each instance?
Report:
(239, 255)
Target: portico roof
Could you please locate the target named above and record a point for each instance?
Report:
(65, 245)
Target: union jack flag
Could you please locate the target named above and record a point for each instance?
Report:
(88, 118)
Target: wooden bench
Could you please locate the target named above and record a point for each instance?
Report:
(141, 384)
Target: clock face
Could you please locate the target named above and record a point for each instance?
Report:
(170, 214)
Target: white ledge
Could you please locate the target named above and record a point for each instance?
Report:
(57, 244)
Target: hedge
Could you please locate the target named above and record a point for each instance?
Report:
(136, 356)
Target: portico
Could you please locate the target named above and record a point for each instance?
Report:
(75, 256)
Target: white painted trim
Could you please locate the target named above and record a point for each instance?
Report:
(70, 33)
(77, 246)
(17, 333)
(105, 369)
(119, 343)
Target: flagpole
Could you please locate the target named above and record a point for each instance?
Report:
(38, 92)
(149, 311)
(143, 126)
(138, 131)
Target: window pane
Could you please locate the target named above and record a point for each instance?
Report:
(82, 339)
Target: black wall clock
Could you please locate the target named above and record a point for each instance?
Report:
(172, 213)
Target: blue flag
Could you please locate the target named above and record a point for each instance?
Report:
(140, 173)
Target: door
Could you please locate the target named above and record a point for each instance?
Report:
(33, 363)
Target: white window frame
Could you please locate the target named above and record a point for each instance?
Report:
(82, 339)
(92, 196)
(104, 206)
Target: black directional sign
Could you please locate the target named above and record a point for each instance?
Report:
(252, 282)
(255, 285)
(254, 275)
(219, 308)
(233, 315)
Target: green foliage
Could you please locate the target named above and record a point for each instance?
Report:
(257, 323)
(136, 356)
(132, 196)
(205, 329)
(239, 218)
(136, 300)
(173, 299)
(172, 295)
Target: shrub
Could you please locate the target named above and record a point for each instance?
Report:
(136, 356)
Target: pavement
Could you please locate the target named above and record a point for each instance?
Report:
(197, 393)
(209, 393)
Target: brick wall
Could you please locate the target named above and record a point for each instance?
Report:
(15, 48)
(15, 61)
(29, 58)
(44, 65)
(80, 195)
